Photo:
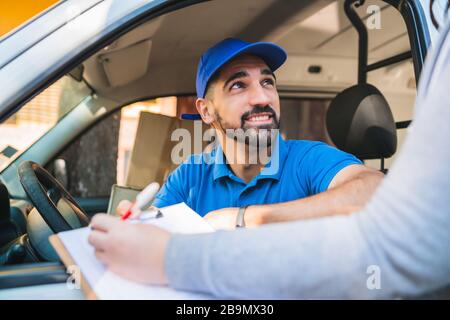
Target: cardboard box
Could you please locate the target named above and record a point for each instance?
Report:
(151, 156)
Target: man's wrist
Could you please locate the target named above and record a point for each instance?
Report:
(256, 215)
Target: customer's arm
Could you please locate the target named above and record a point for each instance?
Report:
(404, 233)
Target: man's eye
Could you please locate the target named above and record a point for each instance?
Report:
(237, 85)
(269, 82)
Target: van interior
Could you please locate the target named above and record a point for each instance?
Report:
(159, 58)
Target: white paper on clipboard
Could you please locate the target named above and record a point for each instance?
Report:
(178, 218)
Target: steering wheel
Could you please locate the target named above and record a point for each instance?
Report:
(56, 206)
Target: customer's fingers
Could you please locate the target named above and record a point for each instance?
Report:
(98, 239)
(102, 256)
(103, 222)
(123, 207)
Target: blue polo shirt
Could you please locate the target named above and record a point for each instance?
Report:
(297, 169)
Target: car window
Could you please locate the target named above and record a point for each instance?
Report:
(102, 156)
(38, 116)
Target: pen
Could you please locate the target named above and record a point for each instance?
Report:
(142, 199)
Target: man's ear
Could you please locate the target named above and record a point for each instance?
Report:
(202, 108)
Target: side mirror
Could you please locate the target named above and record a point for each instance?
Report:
(61, 173)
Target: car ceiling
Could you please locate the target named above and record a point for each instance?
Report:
(159, 58)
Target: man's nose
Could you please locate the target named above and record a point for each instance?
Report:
(259, 96)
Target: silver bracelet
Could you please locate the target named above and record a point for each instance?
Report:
(240, 222)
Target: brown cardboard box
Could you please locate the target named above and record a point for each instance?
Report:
(151, 156)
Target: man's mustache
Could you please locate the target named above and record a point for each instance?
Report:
(256, 110)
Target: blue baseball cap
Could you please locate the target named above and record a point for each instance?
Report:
(218, 55)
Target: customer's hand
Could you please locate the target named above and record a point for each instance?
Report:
(133, 251)
(123, 207)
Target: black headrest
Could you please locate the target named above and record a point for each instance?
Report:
(360, 122)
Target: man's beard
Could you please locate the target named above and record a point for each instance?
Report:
(258, 136)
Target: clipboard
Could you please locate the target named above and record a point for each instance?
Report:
(104, 284)
(68, 261)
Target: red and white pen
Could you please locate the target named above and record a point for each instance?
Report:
(142, 200)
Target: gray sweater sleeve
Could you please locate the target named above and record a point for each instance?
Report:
(399, 245)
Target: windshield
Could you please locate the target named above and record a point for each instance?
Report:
(38, 116)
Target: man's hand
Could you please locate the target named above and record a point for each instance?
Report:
(226, 218)
(133, 251)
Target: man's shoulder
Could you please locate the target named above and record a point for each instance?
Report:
(318, 153)
(304, 146)
(299, 150)
(303, 142)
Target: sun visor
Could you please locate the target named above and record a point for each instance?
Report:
(126, 65)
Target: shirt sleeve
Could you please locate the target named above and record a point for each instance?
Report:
(173, 190)
(318, 166)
